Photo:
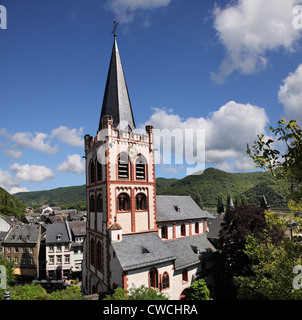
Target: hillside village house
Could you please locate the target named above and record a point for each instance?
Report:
(64, 253)
(22, 245)
(133, 236)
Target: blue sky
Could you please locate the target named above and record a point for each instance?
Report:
(230, 67)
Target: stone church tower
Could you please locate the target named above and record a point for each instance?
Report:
(120, 182)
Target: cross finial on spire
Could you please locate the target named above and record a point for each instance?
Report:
(115, 24)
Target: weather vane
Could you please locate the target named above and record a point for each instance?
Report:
(115, 24)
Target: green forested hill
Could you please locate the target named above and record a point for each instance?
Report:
(209, 185)
(10, 206)
(214, 182)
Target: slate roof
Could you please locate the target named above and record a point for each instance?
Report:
(141, 250)
(2, 235)
(53, 230)
(116, 102)
(78, 228)
(188, 209)
(23, 234)
(190, 250)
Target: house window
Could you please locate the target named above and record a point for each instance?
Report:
(165, 280)
(23, 260)
(100, 202)
(196, 227)
(164, 232)
(8, 249)
(153, 278)
(140, 168)
(123, 202)
(67, 259)
(99, 255)
(31, 250)
(16, 250)
(59, 259)
(183, 230)
(66, 247)
(92, 172)
(16, 260)
(185, 275)
(99, 171)
(92, 203)
(123, 166)
(31, 261)
(141, 202)
(59, 248)
(51, 249)
(51, 260)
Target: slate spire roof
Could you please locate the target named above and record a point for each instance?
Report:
(116, 100)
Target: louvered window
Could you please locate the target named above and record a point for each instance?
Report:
(123, 167)
(140, 167)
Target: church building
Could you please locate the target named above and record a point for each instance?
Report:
(133, 236)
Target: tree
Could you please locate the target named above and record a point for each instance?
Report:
(273, 264)
(237, 225)
(220, 206)
(199, 291)
(140, 293)
(287, 164)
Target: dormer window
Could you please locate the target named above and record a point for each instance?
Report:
(58, 237)
(177, 208)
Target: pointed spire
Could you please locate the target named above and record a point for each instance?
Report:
(230, 202)
(116, 100)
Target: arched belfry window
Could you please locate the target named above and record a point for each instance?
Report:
(123, 202)
(92, 172)
(123, 166)
(92, 250)
(92, 203)
(100, 202)
(141, 202)
(99, 255)
(99, 176)
(140, 168)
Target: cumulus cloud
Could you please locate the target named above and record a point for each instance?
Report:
(38, 141)
(290, 94)
(14, 153)
(249, 30)
(72, 137)
(7, 181)
(73, 164)
(31, 173)
(125, 10)
(227, 132)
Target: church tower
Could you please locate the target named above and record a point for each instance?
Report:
(120, 180)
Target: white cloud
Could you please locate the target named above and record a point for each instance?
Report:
(227, 132)
(14, 190)
(125, 10)
(14, 153)
(249, 30)
(73, 164)
(290, 94)
(7, 181)
(73, 137)
(31, 173)
(38, 141)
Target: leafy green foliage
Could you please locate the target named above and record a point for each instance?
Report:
(140, 293)
(10, 206)
(199, 291)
